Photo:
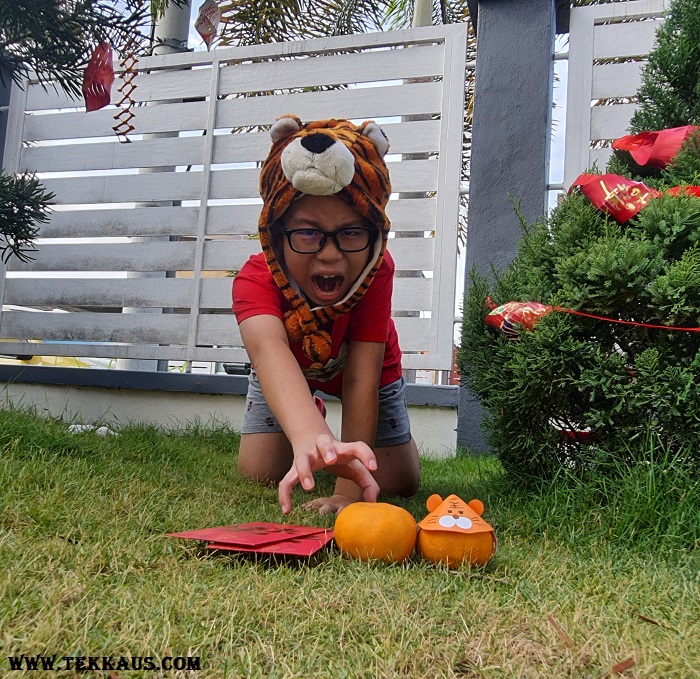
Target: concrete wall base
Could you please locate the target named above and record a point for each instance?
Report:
(433, 427)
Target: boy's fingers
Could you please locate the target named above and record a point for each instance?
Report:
(356, 472)
(284, 490)
(324, 445)
(303, 470)
(363, 453)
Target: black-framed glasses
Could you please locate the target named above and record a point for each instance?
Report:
(310, 241)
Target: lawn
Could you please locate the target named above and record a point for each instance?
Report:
(590, 577)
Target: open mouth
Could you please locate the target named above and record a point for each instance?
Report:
(326, 287)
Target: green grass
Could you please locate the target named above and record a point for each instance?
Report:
(588, 573)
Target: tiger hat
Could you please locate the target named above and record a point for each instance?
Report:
(323, 158)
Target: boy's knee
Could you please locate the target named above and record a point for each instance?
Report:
(407, 485)
(399, 470)
(259, 473)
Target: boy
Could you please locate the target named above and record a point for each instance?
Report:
(314, 312)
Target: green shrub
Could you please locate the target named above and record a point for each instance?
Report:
(617, 383)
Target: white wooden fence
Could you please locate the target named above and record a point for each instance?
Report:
(182, 196)
(608, 46)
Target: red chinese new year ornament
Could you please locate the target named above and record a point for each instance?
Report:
(655, 149)
(511, 317)
(98, 78)
(207, 22)
(693, 191)
(615, 195)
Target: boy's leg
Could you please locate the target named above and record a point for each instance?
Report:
(398, 469)
(398, 465)
(265, 454)
(265, 457)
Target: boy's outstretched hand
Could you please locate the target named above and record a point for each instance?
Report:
(354, 461)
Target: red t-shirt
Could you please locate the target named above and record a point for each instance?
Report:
(255, 293)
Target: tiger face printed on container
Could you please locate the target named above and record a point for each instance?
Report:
(323, 158)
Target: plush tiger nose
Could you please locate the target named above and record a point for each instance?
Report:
(317, 143)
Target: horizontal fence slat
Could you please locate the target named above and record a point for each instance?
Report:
(140, 256)
(150, 221)
(326, 45)
(124, 351)
(335, 69)
(600, 157)
(415, 214)
(126, 188)
(147, 119)
(616, 80)
(413, 254)
(624, 40)
(611, 122)
(153, 329)
(406, 176)
(111, 292)
(421, 136)
(371, 102)
(412, 294)
(408, 253)
(136, 328)
(80, 157)
(414, 333)
(163, 256)
(214, 329)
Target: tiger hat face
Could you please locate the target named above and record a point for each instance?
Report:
(323, 158)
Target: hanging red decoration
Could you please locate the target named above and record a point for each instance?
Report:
(512, 317)
(684, 191)
(509, 318)
(623, 198)
(207, 22)
(655, 149)
(125, 114)
(615, 195)
(98, 78)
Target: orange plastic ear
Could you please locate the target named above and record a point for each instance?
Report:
(433, 502)
(477, 506)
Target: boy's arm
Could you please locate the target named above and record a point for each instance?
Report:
(360, 400)
(363, 370)
(289, 398)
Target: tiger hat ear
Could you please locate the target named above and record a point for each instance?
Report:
(285, 126)
(376, 135)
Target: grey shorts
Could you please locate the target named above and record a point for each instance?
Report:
(393, 426)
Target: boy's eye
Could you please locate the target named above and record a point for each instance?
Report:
(351, 234)
(308, 234)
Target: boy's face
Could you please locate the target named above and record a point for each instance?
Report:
(325, 277)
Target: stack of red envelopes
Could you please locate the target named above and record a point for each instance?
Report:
(262, 538)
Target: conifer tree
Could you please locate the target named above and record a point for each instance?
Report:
(577, 389)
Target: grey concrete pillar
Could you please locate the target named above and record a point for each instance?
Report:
(510, 146)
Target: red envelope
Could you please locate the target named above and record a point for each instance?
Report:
(307, 545)
(252, 535)
(657, 148)
(620, 197)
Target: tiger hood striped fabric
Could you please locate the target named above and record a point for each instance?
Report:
(323, 158)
